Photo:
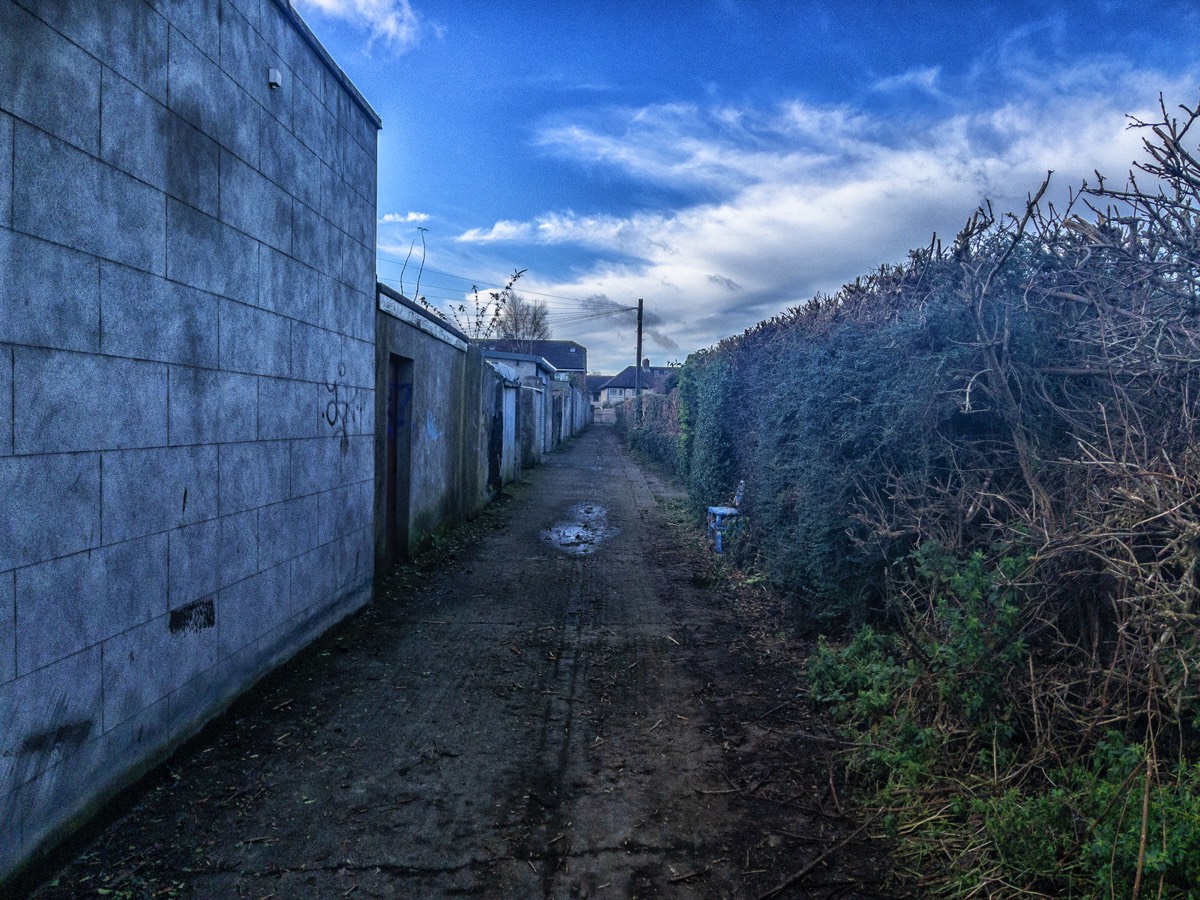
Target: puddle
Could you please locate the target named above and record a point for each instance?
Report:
(582, 532)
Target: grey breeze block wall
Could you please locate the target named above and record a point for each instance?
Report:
(186, 378)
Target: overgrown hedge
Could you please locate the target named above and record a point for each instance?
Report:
(650, 424)
(989, 453)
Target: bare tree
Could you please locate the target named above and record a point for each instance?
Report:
(524, 320)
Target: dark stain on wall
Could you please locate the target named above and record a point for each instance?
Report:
(194, 617)
(73, 733)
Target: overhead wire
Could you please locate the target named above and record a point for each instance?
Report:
(565, 313)
(477, 283)
(553, 316)
(572, 319)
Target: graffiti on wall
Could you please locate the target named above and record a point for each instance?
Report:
(342, 411)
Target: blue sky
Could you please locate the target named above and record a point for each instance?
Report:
(725, 160)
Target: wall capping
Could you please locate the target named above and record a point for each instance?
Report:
(311, 39)
(394, 307)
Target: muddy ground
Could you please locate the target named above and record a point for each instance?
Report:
(563, 700)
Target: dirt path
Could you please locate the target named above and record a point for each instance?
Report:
(535, 719)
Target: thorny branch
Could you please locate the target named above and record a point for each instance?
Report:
(1098, 474)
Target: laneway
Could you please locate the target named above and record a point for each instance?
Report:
(561, 711)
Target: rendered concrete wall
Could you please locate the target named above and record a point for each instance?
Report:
(571, 411)
(186, 380)
(483, 436)
(576, 409)
(453, 408)
(531, 436)
(510, 456)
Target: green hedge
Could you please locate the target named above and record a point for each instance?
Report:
(990, 454)
(650, 424)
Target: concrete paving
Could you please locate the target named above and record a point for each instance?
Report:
(544, 715)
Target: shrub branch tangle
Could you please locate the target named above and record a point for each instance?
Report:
(990, 454)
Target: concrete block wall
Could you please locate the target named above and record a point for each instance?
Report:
(187, 302)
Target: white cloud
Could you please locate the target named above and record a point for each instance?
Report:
(923, 80)
(810, 197)
(408, 218)
(503, 230)
(393, 22)
(685, 145)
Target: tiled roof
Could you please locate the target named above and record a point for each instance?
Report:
(595, 382)
(566, 356)
(654, 378)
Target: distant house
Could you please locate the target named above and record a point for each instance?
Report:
(594, 384)
(564, 356)
(650, 379)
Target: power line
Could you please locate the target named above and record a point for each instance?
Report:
(478, 283)
(458, 298)
(575, 318)
(557, 315)
(562, 316)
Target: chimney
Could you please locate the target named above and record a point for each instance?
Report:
(646, 363)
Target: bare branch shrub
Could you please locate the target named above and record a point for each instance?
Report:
(992, 450)
(482, 319)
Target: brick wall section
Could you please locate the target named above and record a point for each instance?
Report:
(186, 378)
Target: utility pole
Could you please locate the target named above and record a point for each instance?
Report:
(637, 371)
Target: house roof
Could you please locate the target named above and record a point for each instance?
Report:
(652, 377)
(596, 382)
(565, 356)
